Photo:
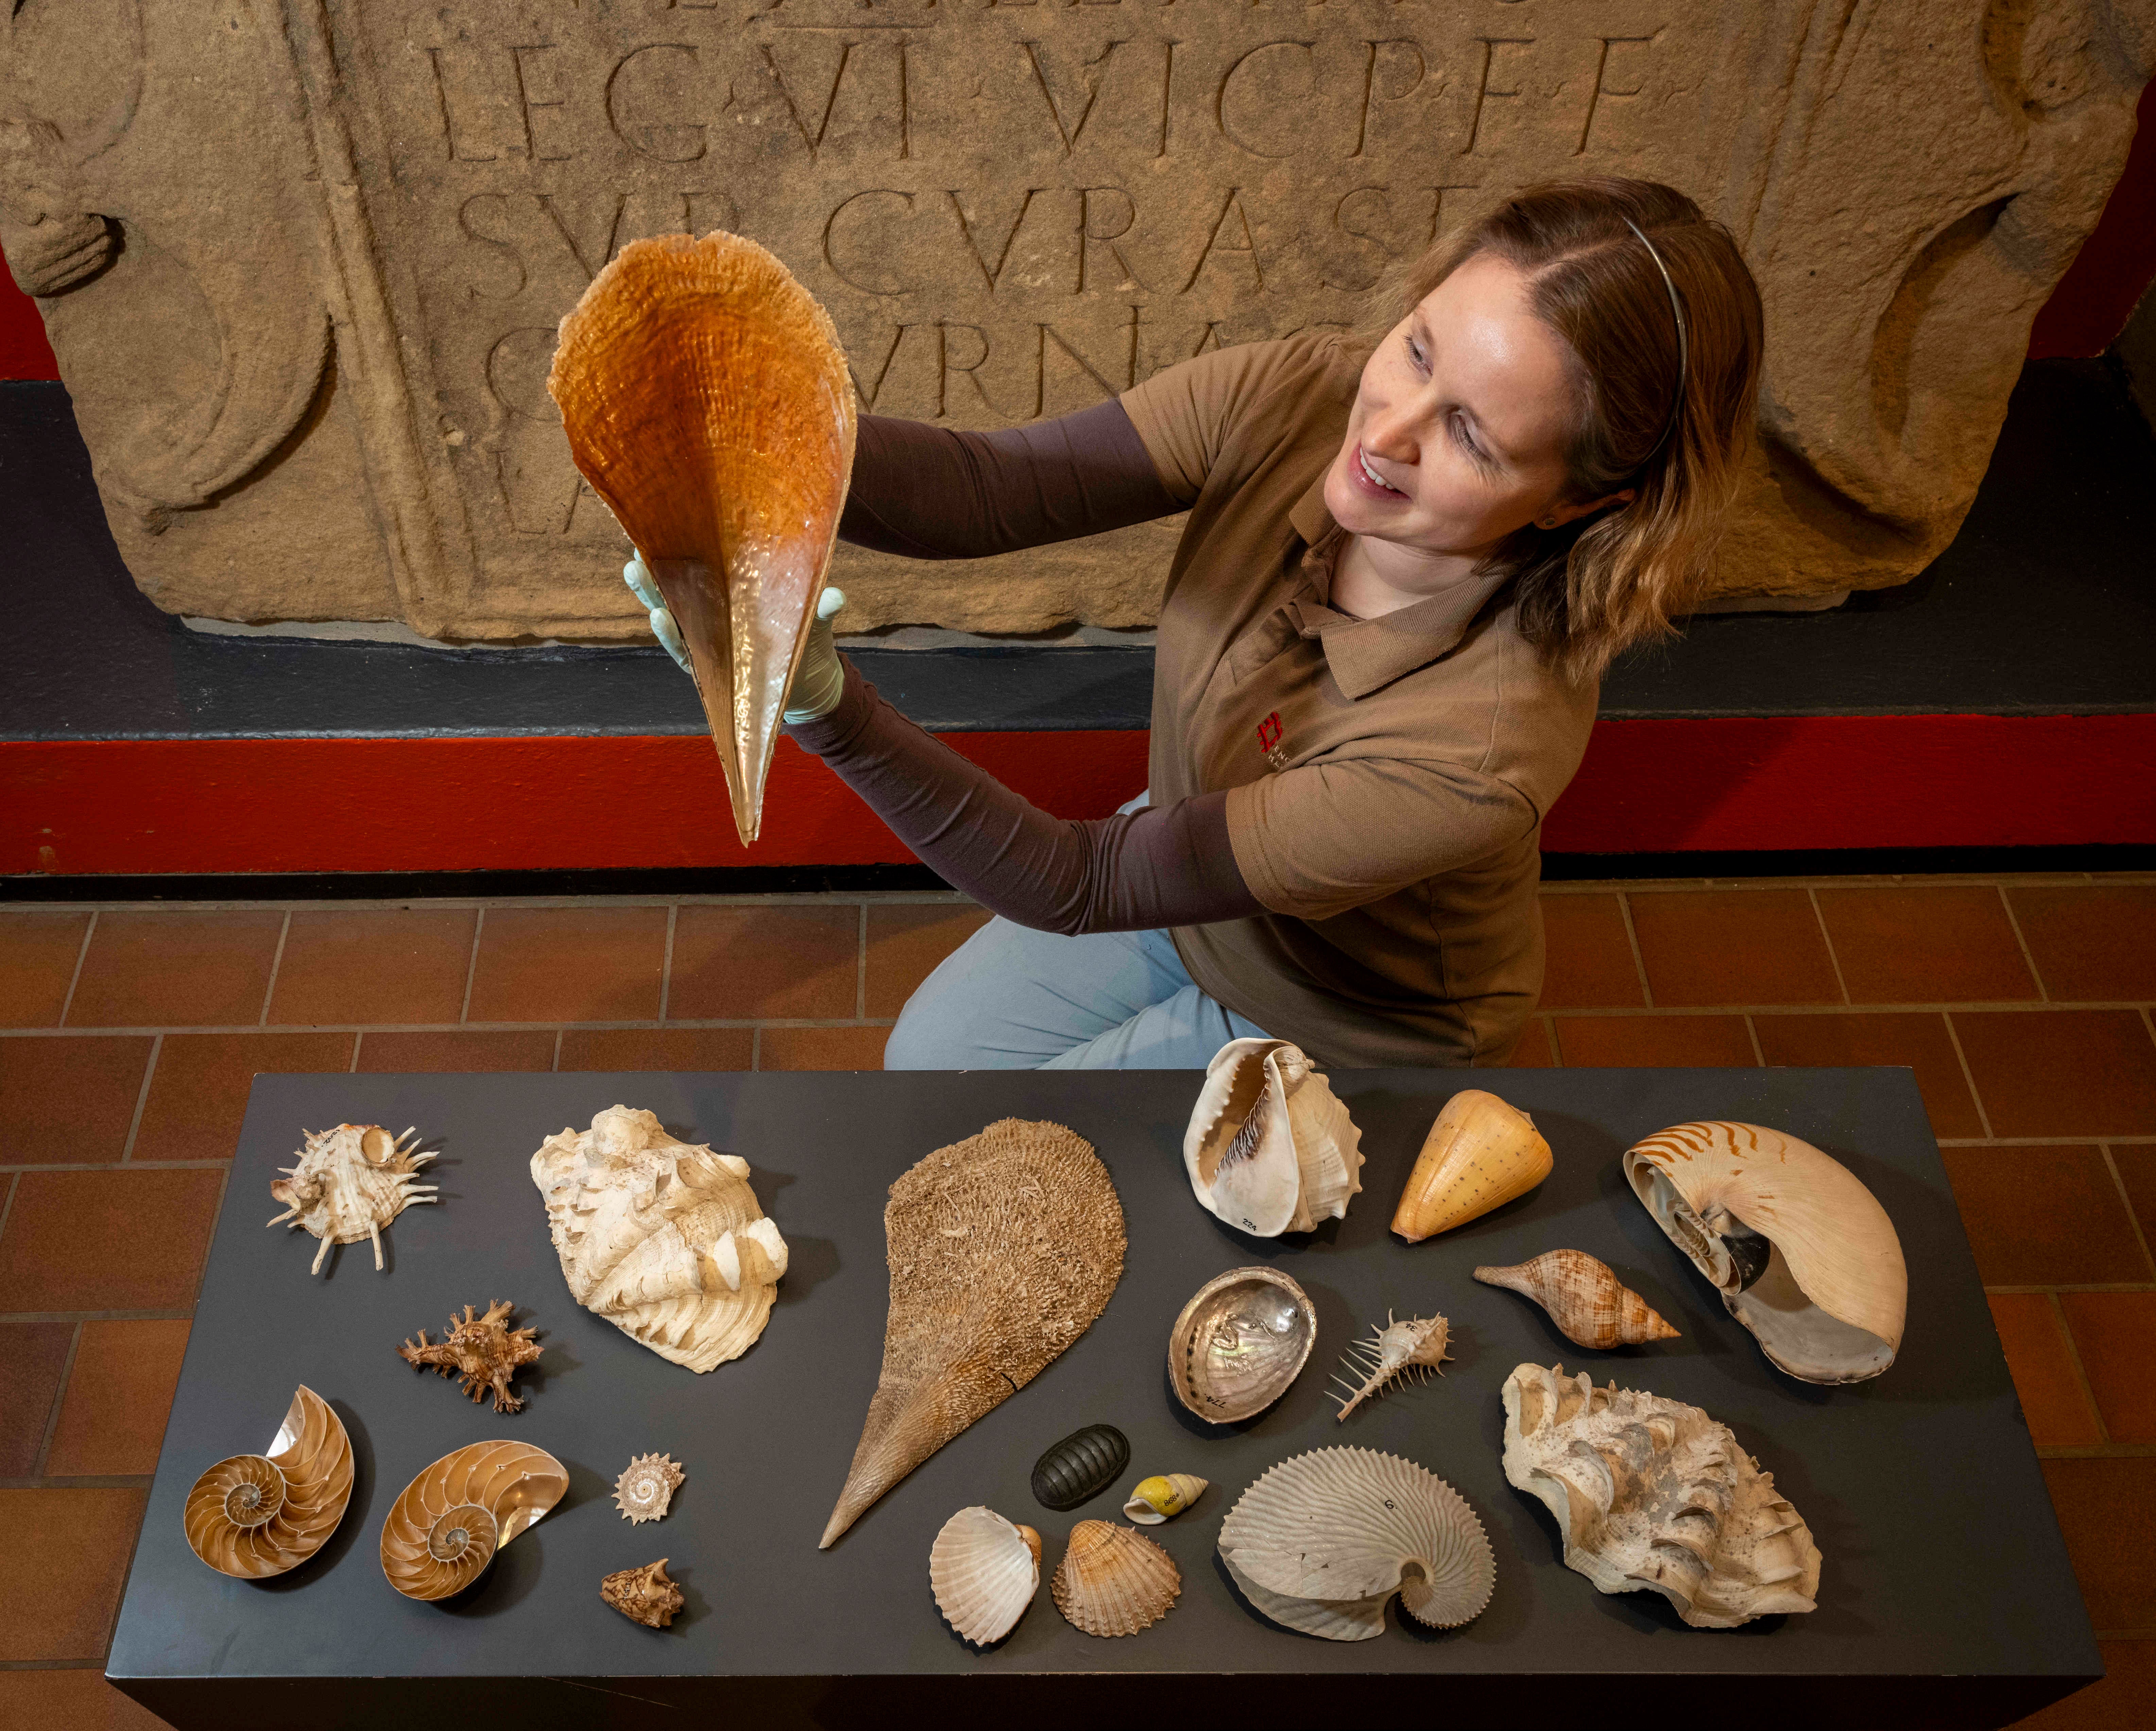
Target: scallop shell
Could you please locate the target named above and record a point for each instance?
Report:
(984, 1571)
(708, 401)
(1243, 1338)
(1270, 1147)
(646, 1489)
(643, 1595)
(348, 1183)
(1395, 1350)
(1590, 1306)
(252, 1515)
(441, 1533)
(1652, 1494)
(1321, 1542)
(664, 1239)
(1480, 1154)
(1162, 1498)
(1802, 1254)
(1080, 1467)
(1113, 1581)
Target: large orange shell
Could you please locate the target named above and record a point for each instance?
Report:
(708, 401)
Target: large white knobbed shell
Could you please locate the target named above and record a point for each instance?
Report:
(1653, 1494)
(257, 1515)
(664, 1239)
(984, 1571)
(1801, 1252)
(441, 1533)
(1269, 1149)
(1321, 1542)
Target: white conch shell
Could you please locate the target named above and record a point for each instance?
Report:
(1322, 1541)
(662, 1238)
(349, 1183)
(984, 1571)
(1238, 1342)
(1269, 1149)
(1417, 1344)
(441, 1533)
(1803, 1254)
(1652, 1493)
(1114, 1581)
(256, 1515)
(1162, 1497)
(646, 1489)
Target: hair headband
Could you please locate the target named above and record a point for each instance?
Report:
(1683, 345)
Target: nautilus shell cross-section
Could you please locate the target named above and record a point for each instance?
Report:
(707, 403)
(251, 1516)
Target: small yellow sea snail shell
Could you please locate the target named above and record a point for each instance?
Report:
(1162, 1497)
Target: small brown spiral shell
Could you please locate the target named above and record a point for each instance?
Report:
(442, 1532)
(251, 1516)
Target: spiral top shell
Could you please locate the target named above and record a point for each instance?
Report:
(646, 1489)
(252, 1515)
(441, 1533)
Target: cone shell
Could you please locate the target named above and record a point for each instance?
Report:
(1801, 1252)
(1113, 1581)
(1242, 1338)
(441, 1533)
(984, 1571)
(252, 1515)
(708, 401)
(1162, 1498)
(1479, 1155)
(1323, 1540)
(1269, 1149)
(1590, 1306)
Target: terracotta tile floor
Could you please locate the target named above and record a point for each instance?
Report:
(128, 1036)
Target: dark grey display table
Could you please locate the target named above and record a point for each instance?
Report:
(1946, 1597)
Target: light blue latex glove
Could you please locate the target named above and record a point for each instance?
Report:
(819, 682)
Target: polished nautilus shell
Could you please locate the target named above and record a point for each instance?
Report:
(1653, 1494)
(1480, 1154)
(984, 1571)
(1322, 1541)
(708, 401)
(1270, 1147)
(646, 1489)
(1242, 1338)
(1582, 1295)
(257, 1515)
(664, 1239)
(1414, 1346)
(442, 1532)
(348, 1183)
(1161, 1497)
(1113, 1580)
(1801, 1252)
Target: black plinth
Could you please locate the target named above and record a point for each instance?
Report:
(1946, 1597)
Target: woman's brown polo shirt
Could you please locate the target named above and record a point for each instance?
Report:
(1388, 776)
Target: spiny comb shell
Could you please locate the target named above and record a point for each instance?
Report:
(1269, 1149)
(708, 401)
(441, 1533)
(1480, 1154)
(1162, 1498)
(252, 1516)
(348, 1183)
(1113, 1581)
(1003, 1249)
(1590, 1306)
(1322, 1541)
(1081, 1466)
(1242, 1338)
(984, 1571)
(1395, 1350)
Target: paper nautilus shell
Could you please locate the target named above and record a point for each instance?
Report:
(443, 1532)
(707, 403)
(258, 1515)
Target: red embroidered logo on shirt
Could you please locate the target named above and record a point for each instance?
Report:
(1268, 741)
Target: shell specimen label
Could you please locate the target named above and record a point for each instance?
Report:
(1269, 1149)
(252, 1515)
(1416, 1346)
(1480, 1154)
(1653, 1495)
(643, 1595)
(1241, 1340)
(1003, 1249)
(483, 1350)
(443, 1531)
(984, 1571)
(348, 1183)
(1582, 1295)
(1080, 1467)
(646, 1489)
(1113, 1581)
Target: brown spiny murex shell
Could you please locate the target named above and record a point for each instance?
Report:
(348, 1183)
(1590, 1306)
(1114, 1580)
(1003, 1249)
(483, 1350)
(257, 1515)
(708, 401)
(646, 1489)
(643, 1595)
(444, 1530)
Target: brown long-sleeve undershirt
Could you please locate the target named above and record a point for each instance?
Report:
(931, 493)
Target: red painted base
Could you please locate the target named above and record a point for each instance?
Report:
(374, 806)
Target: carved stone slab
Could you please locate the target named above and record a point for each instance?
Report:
(302, 261)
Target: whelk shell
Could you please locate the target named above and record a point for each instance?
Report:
(984, 1571)
(1801, 1252)
(646, 1487)
(252, 1516)
(1081, 1466)
(1113, 1581)
(643, 1595)
(443, 1531)
(1322, 1541)
(1417, 1344)
(1590, 1306)
(1270, 1147)
(1480, 1154)
(348, 1183)
(1162, 1498)
(1242, 1338)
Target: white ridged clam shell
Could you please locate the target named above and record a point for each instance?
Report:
(984, 1571)
(1269, 1149)
(1242, 1338)
(1322, 1541)
(1114, 1581)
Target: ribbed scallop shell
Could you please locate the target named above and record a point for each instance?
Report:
(1081, 1466)
(441, 1533)
(1242, 1338)
(1269, 1149)
(984, 1571)
(1114, 1581)
(252, 1516)
(1322, 1541)
(1480, 1154)
(1582, 1295)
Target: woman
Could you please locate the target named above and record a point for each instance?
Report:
(1379, 649)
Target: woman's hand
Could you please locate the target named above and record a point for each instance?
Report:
(818, 682)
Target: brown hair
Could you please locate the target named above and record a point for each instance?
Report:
(1598, 584)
